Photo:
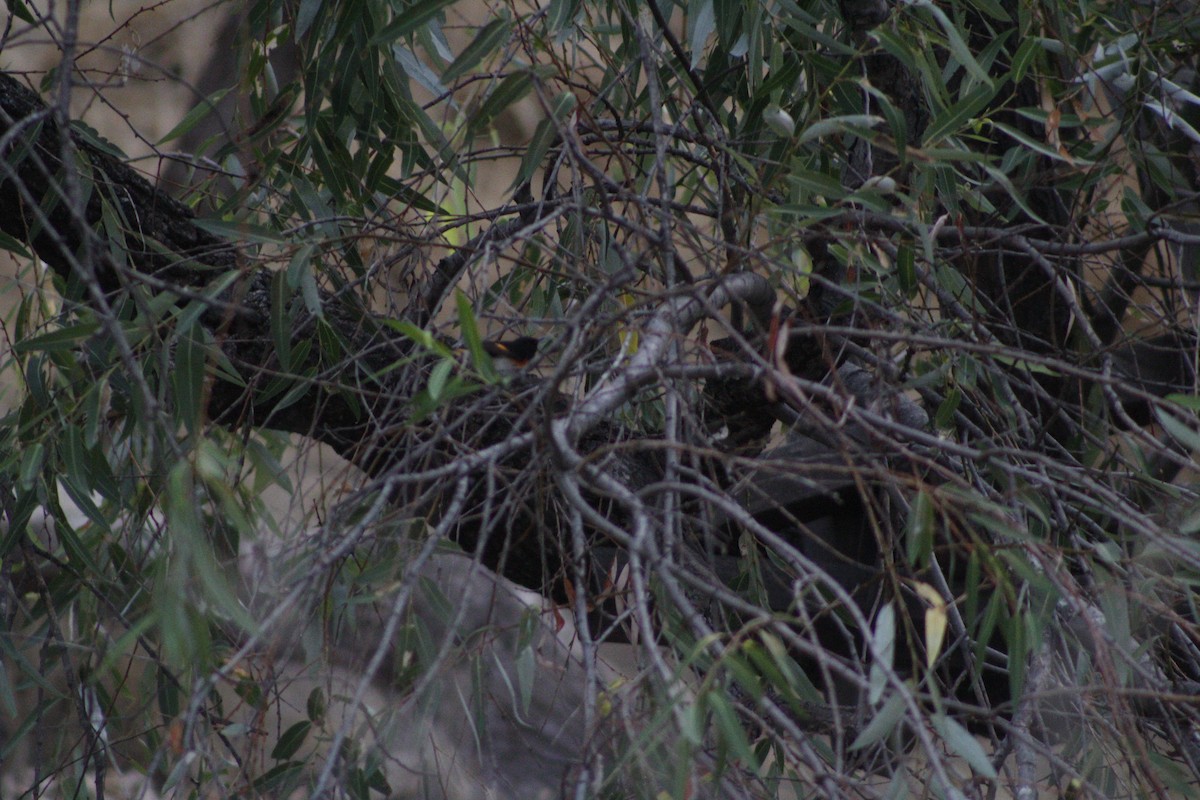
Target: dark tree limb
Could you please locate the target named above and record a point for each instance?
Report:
(168, 252)
(30, 145)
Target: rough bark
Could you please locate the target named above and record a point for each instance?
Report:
(167, 251)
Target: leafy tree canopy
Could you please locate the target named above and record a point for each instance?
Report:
(863, 409)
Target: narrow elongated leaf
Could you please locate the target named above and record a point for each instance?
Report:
(701, 22)
(240, 231)
(417, 71)
(11, 245)
(884, 640)
(958, 47)
(21, 11)
(952, 119)
(545, 135)
(514, 86)
(470, 334)
(311, 294)
(315, 705)
(936, 620)
(920, 530)
(291, 740)
(960, 740)
(72, 544)
(31, 464)
(486, 42)
(730, 729)
(422, 337)
(409, 20)
(306, 15)
(1190, 402)
(191, 355)
(437, 379)
(281, 320)
(1183, 434)
(882, 723)
(61, 339)
(194, 117)
(842, 124)
(1040, 147)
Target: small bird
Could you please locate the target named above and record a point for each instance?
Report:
(512, 355)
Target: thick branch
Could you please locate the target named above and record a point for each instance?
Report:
(167, 252)
(30, 189)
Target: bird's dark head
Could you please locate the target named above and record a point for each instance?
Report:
(517, 351)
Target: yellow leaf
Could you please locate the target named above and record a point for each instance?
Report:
(935, 621)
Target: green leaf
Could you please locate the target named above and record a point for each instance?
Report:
(544, 136)
(437, 379)
(74, 547)
(895, 120)
(1039, 147)
(470, 334)
(93, 137)
(960, 740)
(21, 11)
(240, 231)
(90, 464)
(1190, 402)
(561, 16)
(1024, 56)
(993, 9)
(487, 41)
(797, 679)
(300, 386)
(409, 20)
(191, 357)
(952, 119)
(691, 724)
(730, 729)
(1179, 431)
(11, 245)
(882, 723)
(946, 410)
(300, 262)
(514, 87)
(31, 464)
(291, 740)
(190, 120)
(58, 340)
(19, 515)
(701, 22)
(167, 694)
(849, 123)
(417, 71)
(279, 779)
(311, 294)
(305, 16)
(315, 705)
(884, 640)
(281, 319)
(744, 674)
(954, 40)
(1005, 182)
(423, 338)
(920, 530)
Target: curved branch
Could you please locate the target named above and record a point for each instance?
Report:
(673, 320)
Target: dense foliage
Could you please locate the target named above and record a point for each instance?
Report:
(864, 408)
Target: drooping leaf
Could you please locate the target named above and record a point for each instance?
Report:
(408, 20)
